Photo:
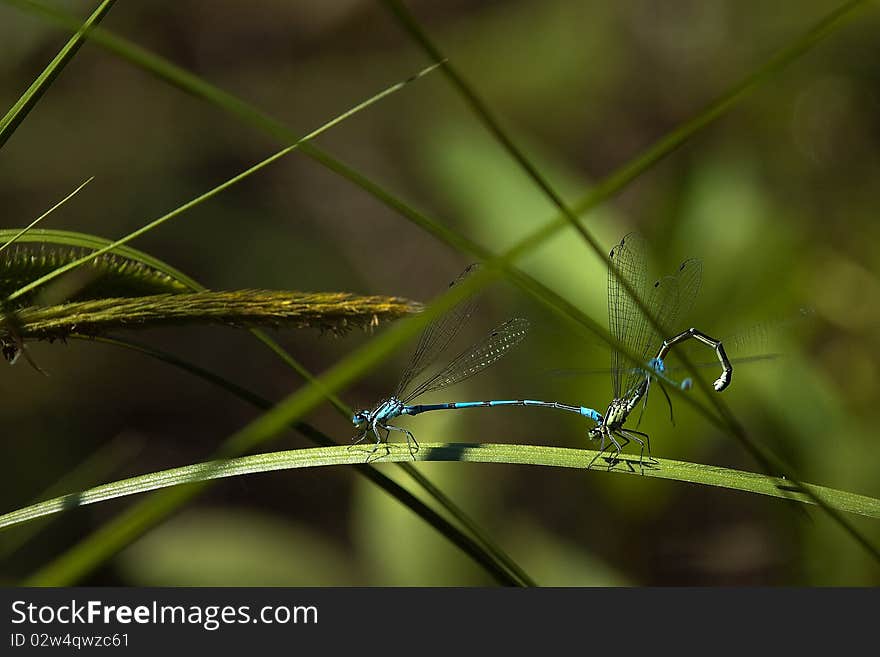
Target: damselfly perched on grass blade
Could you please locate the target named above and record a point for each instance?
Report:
(435, 339)
(666, 299)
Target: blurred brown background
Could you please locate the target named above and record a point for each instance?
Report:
(779, 199)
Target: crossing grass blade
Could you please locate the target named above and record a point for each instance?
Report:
(46, 278)
(21, 233)
(17, 113)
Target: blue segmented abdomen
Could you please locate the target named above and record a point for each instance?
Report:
(594, 415)
(497, 402)
(422, 408)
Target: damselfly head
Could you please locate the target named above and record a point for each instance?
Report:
(657, 365)
(360, 419)
(595, 433)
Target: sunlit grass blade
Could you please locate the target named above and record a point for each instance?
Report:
(17, 236)
(486, 116)
(96, 467)
(562, 457)
(29, 98)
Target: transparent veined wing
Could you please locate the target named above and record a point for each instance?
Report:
(438, 335)
(625, 320)
(669, 299)
(474, 360)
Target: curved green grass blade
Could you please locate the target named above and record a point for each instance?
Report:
(560, 457)
(68, 238)
(29, 98)
(109, 275)
(96, 467)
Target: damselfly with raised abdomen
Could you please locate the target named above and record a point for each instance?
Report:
(666, 300)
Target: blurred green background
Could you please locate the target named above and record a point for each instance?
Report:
(779, 199)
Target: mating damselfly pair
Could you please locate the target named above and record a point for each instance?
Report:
(639, 318)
